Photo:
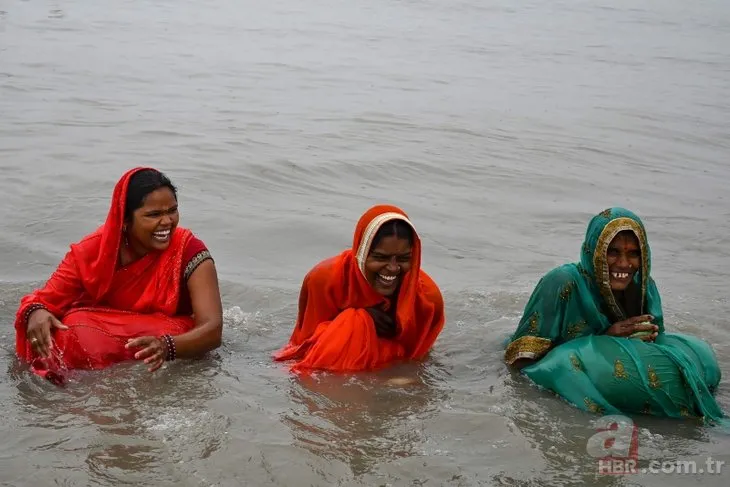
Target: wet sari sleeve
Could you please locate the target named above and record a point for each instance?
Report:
(543, 323)
(316, 310)
(62, 290)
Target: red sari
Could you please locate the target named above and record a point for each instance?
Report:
(333, 330)
(104, 304)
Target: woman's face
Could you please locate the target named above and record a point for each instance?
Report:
(624, 260)
(153, 224)
(387, 264)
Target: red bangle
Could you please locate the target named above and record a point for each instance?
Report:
(33, 307)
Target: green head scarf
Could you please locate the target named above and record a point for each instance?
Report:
(602, 229)
(575, 299)
(563, 329)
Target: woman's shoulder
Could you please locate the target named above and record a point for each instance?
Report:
(558, 279)
(85, 251)
(88, 241)
(194, 245)
(323, 272)
(562, 274)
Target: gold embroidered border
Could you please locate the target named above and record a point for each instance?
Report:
(199, 258)
(527, 347)
(600, 261)
(369, 235)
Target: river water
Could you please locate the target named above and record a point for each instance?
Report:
(501, 127)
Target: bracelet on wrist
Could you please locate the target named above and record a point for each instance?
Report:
(170, 346)
(31, 309)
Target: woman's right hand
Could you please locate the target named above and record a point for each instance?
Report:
(38, 331)
(384, 324)
(633, 325)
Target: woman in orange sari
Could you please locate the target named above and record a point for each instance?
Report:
(139, 287)
(369, 306)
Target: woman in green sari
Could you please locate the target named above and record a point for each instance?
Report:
(593, 332)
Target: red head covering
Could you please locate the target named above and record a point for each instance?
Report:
(97, 258)
(333, 330)
(89, 289)
(97, 271)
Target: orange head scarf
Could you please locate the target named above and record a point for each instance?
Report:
(336, 292)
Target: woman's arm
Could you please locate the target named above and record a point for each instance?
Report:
(315, 304)
(207, 312)
(59, 293)
(206, 334)
(543, 322)
(41, 310)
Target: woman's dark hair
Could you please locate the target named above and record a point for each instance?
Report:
(393, 228)
(140, 185)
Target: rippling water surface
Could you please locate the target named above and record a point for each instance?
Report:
(499, 126)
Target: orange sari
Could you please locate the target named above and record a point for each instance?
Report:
(333, 330)
(102, 303)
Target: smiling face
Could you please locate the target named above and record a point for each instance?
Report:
(387, 264)
(390, 256)
(152, 224)
(624, 260)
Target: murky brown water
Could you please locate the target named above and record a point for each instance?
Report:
(499, 126)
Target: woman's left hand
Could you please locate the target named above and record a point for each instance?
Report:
(154, 351)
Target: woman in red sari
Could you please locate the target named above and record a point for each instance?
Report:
(139, 287)
(369, 306)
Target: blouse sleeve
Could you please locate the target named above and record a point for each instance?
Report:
(195, 254)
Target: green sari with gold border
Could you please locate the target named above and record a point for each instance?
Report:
(563, 328)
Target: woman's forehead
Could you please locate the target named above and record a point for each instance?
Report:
(393, 244)
(159, 198)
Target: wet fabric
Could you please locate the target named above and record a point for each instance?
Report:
(333, 330)
(103, 303)
(563, 327)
